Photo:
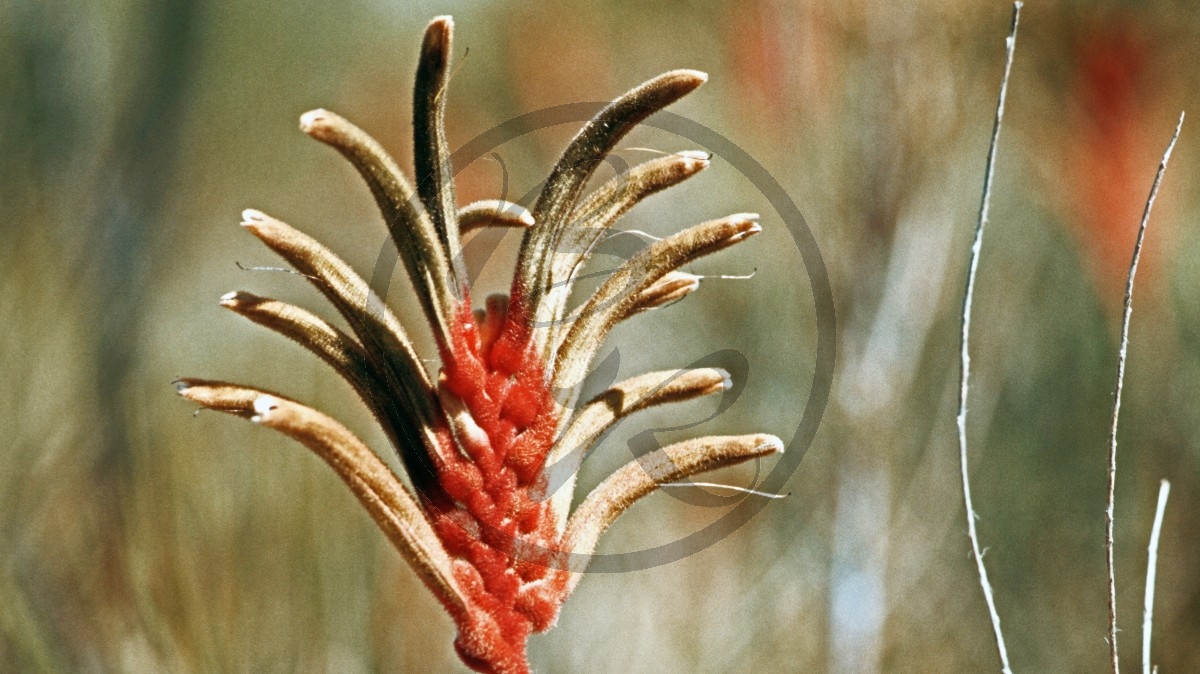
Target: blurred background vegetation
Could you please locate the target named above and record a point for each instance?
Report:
(136, 536)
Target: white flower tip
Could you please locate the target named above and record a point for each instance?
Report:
(181, 385)
(700, 76)
(693, 281)
(743, 225)
(251, 217)
(746, 229)
(230, 299)
(312, 119)
(771, 445)
(264, 405)
(726, 379)
(443, 20)
(695, 159)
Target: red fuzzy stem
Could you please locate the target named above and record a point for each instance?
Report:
(494, 520)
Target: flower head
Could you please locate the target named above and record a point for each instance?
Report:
(491, 440)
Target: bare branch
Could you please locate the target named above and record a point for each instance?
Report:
(968, 296)
(1120, 385)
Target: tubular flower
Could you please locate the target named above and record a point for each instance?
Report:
(492, 439)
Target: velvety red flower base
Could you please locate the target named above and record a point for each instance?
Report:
(490, 508)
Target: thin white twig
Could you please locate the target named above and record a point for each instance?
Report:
(1112, 437)
(1164, 490)
(976, 246)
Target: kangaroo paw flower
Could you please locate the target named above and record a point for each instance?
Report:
(492, 438)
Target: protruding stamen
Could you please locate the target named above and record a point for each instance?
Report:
(598, 417)
(615, 297)
(645, 474)
(730, 487)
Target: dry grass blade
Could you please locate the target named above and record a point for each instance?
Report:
(594, 217)
(493, 213)
(597, 138)
(431, 158)
(1122, 353)
(601, 413)
(411, 230)
(377, 488)
(645, 474)
(617, 295)
(968, 296)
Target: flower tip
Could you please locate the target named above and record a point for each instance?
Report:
(746, 224)
(525, 218)
(231, 300)
(312, 119)
(678, 83)
(437, 36)
(252, 217)
(695, 159)
(726, 378)
(264, 405)
(770, 445)
(181, 385)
